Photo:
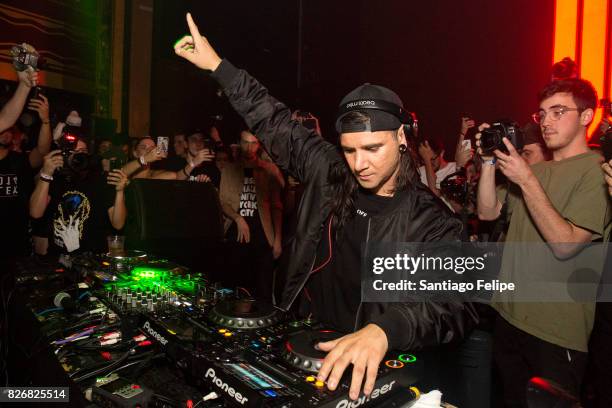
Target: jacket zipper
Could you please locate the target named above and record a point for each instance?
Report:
(360, 302)
(297, 292)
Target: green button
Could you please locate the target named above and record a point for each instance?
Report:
(406, 358)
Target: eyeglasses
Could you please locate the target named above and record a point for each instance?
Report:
(555, 113)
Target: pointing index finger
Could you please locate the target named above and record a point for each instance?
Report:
(193, 28)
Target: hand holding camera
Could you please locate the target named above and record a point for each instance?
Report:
(118, 179)
(41, 106)
(204, 155)
(52, 161)
(510, 163)
(26, 61)
(484, 156)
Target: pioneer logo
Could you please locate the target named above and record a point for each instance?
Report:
(161, 339)
(360, 103)
(347, 403)
(210, 373)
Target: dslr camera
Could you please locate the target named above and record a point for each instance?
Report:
(76, 161)
(491, 138)
(25, 56)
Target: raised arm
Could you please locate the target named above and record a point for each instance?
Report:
(292, 147)
(12, 109)
(41, 106)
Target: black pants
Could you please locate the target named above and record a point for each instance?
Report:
(521, 356)
(249, 266)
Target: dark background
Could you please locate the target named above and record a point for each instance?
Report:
(487, 59)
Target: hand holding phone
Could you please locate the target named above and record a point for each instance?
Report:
(162, 144)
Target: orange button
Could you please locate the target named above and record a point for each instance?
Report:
(394, 364)
(222, 331)
(319, 384)
(228, 334)
(310, 378)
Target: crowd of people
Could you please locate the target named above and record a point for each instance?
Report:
(285, 190)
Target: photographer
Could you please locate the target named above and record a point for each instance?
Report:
(16, 178)
(547, 204)
(84, 208)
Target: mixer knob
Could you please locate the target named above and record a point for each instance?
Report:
(318, 365)
(240, 323)
(296, 360)
(250, 323)
(230, 322)
(260, 322)
(307, 363)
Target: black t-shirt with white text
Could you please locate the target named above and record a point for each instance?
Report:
(248, 210)
(16, 183)
(335, 290)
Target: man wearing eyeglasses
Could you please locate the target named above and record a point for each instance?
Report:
(564, 203)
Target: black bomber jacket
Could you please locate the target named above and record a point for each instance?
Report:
(415, 216)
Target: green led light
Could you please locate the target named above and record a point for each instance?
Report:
(149, 278)
(406, 358)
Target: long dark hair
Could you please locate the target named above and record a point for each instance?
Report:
(344, 185)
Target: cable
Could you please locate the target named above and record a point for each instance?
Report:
(329, 230)
(83, 294)
(245, 291)
(53, 309)
(127, 355)
(105, 368)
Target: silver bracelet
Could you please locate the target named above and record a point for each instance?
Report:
(142, 161)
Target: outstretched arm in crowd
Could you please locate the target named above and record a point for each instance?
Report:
(488, 205)
(427, 154)
(40, 196)
(41, 106)
(463, 153)
(12, 109)
(117, 214)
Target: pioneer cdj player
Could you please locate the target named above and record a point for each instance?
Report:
(253, 355)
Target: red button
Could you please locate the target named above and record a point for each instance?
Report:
(135, 386)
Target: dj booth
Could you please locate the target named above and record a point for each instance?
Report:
(140, 329)
(136, 330)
